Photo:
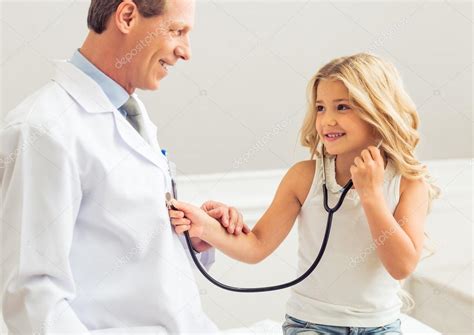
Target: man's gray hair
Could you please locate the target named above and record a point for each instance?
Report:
(100, 11)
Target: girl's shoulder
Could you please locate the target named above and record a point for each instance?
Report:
(304, 170)
(302, 175)
(307, 166)
(412, 185)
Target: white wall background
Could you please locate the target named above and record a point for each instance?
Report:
(247, 79)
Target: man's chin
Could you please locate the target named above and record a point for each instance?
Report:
(151, 86)
(156, 85)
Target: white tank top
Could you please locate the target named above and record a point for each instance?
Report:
(350, 287)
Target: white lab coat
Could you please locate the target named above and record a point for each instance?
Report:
(88, 243)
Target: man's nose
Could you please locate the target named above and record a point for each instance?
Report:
(183, 51)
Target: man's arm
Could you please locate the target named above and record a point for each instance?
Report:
(40, 195)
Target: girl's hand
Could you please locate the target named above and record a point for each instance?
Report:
(190, 218)
(229, 217)
(367, 173)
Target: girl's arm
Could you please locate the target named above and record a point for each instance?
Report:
(270, 230)
(399, 237)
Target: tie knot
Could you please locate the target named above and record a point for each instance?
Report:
(131, 107)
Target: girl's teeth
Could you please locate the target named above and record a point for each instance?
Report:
(334, 135)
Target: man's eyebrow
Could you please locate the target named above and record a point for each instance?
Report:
(183, 25)
(336, 100)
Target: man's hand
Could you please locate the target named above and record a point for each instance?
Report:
(186, 217)
(229, 217)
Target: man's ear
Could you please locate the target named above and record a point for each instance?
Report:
(126, 16)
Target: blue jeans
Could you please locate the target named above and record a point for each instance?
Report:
(293, 326)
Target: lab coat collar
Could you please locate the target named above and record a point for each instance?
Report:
(87, 93)
(82, 88)
(113, 90)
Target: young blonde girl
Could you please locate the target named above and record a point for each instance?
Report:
(377, 235)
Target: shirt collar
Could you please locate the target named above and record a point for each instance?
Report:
(116, 93)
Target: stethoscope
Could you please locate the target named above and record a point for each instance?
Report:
(313, 266)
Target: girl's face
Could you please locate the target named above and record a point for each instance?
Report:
(336, 116)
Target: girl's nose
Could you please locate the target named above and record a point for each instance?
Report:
(329, 118)
(330, 122)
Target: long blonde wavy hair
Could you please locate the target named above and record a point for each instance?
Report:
(376, 91)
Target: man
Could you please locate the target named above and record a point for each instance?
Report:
(83, 187)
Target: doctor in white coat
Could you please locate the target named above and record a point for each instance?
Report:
(89, 242)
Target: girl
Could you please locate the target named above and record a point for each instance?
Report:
(377, 234)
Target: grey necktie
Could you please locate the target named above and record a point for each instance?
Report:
(134, 115)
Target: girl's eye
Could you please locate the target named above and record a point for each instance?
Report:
(343, 107)
(319, 108)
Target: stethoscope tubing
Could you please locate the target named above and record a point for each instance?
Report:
(322, 249)
(313, 266)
